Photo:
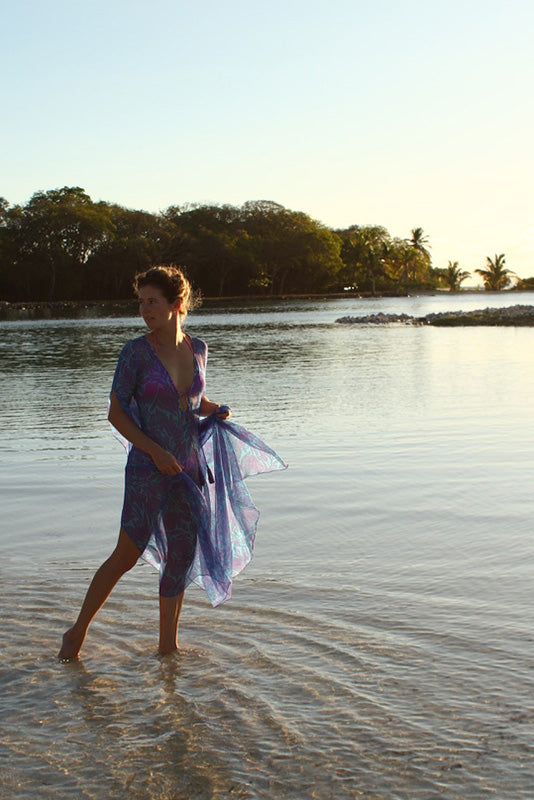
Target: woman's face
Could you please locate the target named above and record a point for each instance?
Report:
(154, 307)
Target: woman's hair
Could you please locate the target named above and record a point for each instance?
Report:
(172, 283)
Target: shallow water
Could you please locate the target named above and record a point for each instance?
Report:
(379, 646)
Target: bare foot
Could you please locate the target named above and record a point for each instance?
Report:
(71, 646)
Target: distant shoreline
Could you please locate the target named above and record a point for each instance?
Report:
(80, 309)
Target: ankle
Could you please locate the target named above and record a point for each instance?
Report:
(165, 650)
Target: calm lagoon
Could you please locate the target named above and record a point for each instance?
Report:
(379, 646)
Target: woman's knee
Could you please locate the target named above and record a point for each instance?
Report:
(126, 553)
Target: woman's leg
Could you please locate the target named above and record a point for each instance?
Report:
(181, 528)
(169, 615)
(123, 558)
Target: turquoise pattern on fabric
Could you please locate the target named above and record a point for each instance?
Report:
(198, 526)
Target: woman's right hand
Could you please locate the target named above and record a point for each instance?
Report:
(165, 461)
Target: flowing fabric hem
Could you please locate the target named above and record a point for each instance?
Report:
(231, 454)
(226, 515)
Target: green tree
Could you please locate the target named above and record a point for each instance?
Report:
(211, 242)
(453, 276)
(62, 245)
(4, 208)
(55, 234)
(417, 260)
(134, 241)
(496, 276)
(7, 276)
(291, 252)
(418, 241)
(525, 284)
(316, 262)
(366, 252)
(260, 247)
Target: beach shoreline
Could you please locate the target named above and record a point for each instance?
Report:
(80, 309)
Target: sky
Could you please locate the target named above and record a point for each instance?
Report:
(398, 113)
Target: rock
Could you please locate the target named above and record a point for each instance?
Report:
(509, 316)
(377, 319)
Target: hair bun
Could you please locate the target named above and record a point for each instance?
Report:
(172, 283)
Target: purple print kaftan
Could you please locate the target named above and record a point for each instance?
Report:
(197, 526)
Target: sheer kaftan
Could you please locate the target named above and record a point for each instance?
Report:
(198, 526)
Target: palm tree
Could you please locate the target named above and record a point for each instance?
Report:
(416, 256)
(454, 276)
(418, 241)
(364, 252)
(496, 276)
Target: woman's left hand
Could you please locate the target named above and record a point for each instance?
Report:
(207, 407)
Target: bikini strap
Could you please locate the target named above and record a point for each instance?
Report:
(189, 342)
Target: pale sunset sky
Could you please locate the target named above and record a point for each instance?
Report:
(403, 114)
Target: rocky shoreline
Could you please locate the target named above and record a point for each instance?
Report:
(510, 316)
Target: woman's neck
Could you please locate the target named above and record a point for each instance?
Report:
(171, 335)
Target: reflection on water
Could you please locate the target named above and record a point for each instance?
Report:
(380, 643)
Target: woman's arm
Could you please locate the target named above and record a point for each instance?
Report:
(207, 407)
(120, 420)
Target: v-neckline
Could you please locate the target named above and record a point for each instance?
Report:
(166, 371)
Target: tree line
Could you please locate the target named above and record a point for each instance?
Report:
(61, 245)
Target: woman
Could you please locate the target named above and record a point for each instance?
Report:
(186, 509)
